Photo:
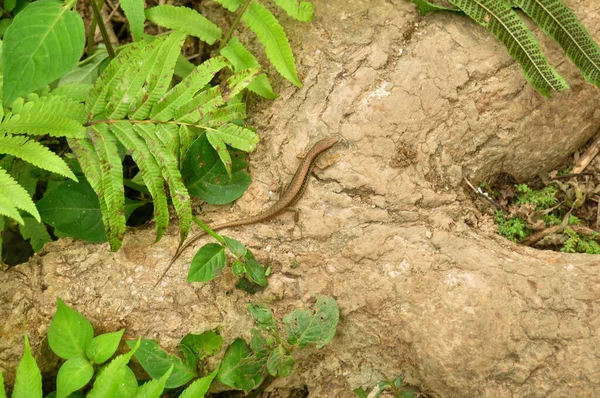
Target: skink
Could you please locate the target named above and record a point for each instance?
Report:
(288, 198)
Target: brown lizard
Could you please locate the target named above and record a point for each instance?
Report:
(288, 198)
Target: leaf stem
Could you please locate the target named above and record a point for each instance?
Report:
(91, 33)
(241, 12)
(208, 230)
(98, 17)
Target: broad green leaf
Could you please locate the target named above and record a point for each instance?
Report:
(69, 333)
(280, 362)
(186, 20)
(129, 386)
(13, 196)
(259, 344)
(238, 368)
(44, 42)
(303, 12)
(263, 316)
(134, 11)
(256, 272)
(236, 247)
(198, 388)
(28, 381)
(183, 67)
(86, 73)
(156, 362)
(104, 346)
(76, 91)
(36, 233)
(74, 374)
(207, 264)
(425, 7)
(205, 175)
(9, 5)
(270, 33)
(112, 376)
(204, 344)
(560, 23)
(241, 59)
(503, 22)
(154, 388)
(304, 327)
(230, 5)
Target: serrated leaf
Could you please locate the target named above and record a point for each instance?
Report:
(111, 377)
(318, 328)
(41, 124)
(185, 20)
(270, 33)
(74, 374)
(504, 23)
(198, 388)
(36, 154)
(207, 264)
(154, 388)
(156, 362)
(230, 5)
(69, 332)
(12, 195)
(235, 136)
(43, 43)
(36, 233)
(134, 11)
(129, 386)
(28, 382)
(7, 207)
(239, 81)
(104, 346)
(303, 12)
(560, 23)
(241, 59)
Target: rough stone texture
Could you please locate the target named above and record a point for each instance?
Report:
(388, 230)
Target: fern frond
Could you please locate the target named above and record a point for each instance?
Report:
(224, 114)
(56, 105)
(15, 197)
(205, 101)
(239, 81)
(36, 154)
(170, 171)
(113, 193)
(504, 23)
(270, 33)
(303, 12)
(150, 169)
(166, 107)
(40, 124)
(186, 138)
(159, 78)
(217, 142)
(230, 5)
(241, 59)
(185, 20)
(236, 136)
(168, 134)
(560, 23)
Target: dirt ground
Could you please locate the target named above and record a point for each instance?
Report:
(425, 286)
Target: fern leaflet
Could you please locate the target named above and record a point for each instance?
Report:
(185, 20)
(303, 12)
(13, 196)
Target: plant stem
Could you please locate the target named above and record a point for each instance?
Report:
(98, 17)
(241, 12)
(208, 230)
(91, 33)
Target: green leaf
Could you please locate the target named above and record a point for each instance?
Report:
(204, 344)
(270, 33)
(134, 11)
(129, 386)
(198, 388)
(9, 5)
(280, 362)
(40, 124)
(241, 59)
(86, 73)
(504, 23)
(13, 196)
(236, 247)
(238, 369)
(205, 176)
(75, 91)
(263, 316)
(73, 208)
(259, 344)
(44, 42)
(185, 20)
(303, 12)
(154, 388)
(230, 5)
(36, 232)
(207, 264)
(74, 374)
(4, 24)
(156, 362)
(28, 382)
(36, 154)
(425, 7)
(360, 393)
(104, 346)
(183, 67)
(560, 23)
(111, 378)
(305, 328)
(235, 136)
(69, 333)
(256, 272)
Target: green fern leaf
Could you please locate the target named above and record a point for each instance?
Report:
(184, 20)
(186, 138)
(169, 104)
(425, 7)
(560, 23)
(194, 109)
(230, 5)
(36, 154)
(304, 12)
(497, 17)
(168, 134)
(113, 193)
(236, 136)
(134, 11)
(40, 124)
(272, 36)
(55, 105)
(239, 81)
(170, 171)
(150, 169)
(15, 196)
(241, 59)
(224, 114)
(217, 142)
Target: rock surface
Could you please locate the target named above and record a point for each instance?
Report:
(389, 230)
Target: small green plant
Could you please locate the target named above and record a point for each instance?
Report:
(396, 386)
(576, 243)
(514, 228)
(244, 366)
(543, 199)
